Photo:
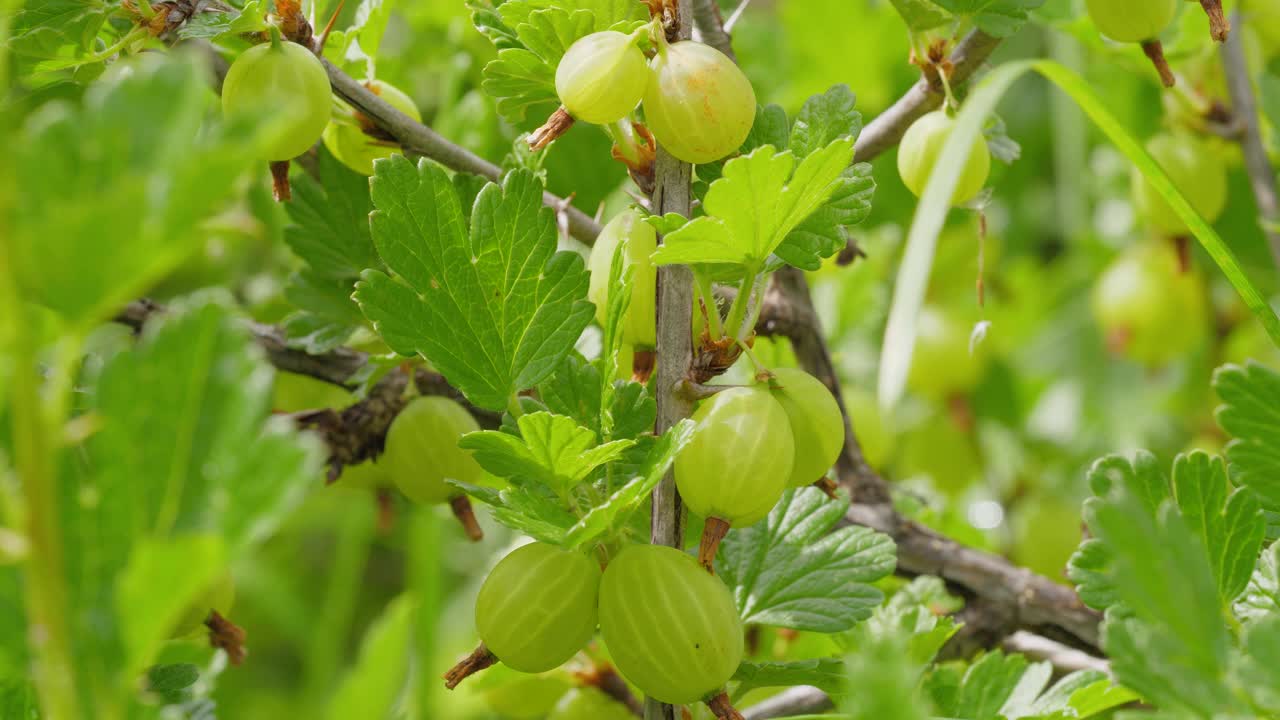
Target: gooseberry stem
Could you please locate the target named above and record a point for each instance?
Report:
(722, 708)
(275, 37)
(1219, 27)
(1155, 52)
(461, 507)
(478, 660)
(712, 533)
(737, 311)
(706, 295)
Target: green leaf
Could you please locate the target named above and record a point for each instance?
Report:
(1228, 525)
(921, 15)
(827, 674)
(605, 13)
(634, 410)
(530, 509)
(552, 450)
(1000, 18)
(171, 683)
(931, 212)
(752, 208)
(1080, 694)
(1259, 663)
(373, 686)
(884, 683)
(917, 614)
(185, 566)
(573, 390)
(522, 84)
(824, 119)
(614, 511)
(210, 25)
(113, 193)
(1261, 598)
(186, 468)
(1250, 413)
(791, 570)
(988, 684)
(824, 232)
(495, 312)
(549, 33)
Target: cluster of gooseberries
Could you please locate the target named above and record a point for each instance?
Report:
(697, 103)
(285, 84)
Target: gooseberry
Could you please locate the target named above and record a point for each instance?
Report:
(699, 105)
(589, 704)
(1149, 309)
(941, 364)
(672, 629)
(602, 77)
(638, 326)
(1132, 21)
(740, 457)
(538, 607)
(1197, 171)
(285, 84)
(351, 145)
(817, 426)
(918, 154)
(422, 449)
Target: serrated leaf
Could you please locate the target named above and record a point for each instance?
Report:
(531, 509)
(1250, 413)
(605, 13)
(209, 25)
(1080, 694)
(613, 513)
(1262, 596)
(552, 450)
(1227, 525)
(752, 208)
(634, 410)
(112, 193)
(495, 312)
(1000, 18)
(573, 390)
(790, 570)
(1259, 664)
(921, 15)
(823, 233)
(823, 119)
(522, 84)
(918, 615)
(549, 33)
(827, 674)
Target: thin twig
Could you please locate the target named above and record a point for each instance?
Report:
(1063, 658)
(799, 700)
(887, 129)
(711, 28)
(672, 193)
(1244, 106)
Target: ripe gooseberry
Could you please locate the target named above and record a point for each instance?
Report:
(538, 607)
(217, 597)
(422, 452)
(1137, 21)
(817, 425)
(740, 457)
(1197, 171)
(941, 364)
(1149, 309)
(918, 155)
(699, 105)
(587, 703)
(672, 629)
(422, 449)
(347, 139)
(602, 77)
(638, 326)
(286, 84)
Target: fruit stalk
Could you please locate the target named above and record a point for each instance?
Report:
(712, 533)
(556, 125)
(1219, 26)
(722, 708)
(1155, 52)
(461, 507)
(478, 660)
(280, 189)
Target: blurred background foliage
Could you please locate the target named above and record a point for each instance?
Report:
(999, 463)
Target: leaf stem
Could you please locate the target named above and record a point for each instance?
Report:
(702, 283)
(737, 311)
(513, 406)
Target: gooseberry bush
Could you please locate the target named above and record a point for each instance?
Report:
(740, 406)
